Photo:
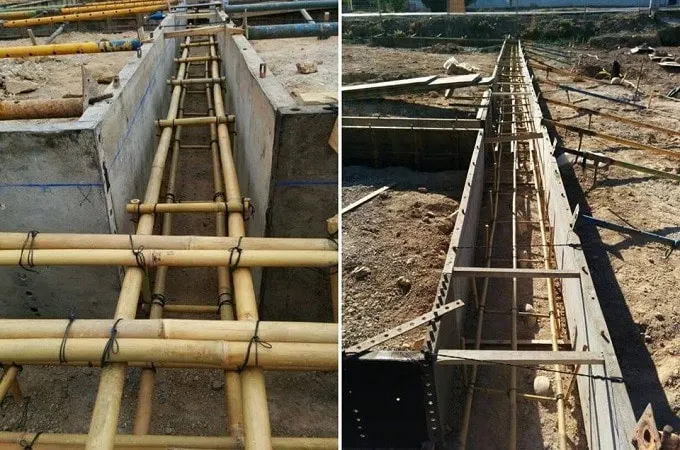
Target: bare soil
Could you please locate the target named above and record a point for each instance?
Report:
(282, 55)
(404, 232)
(57, 76)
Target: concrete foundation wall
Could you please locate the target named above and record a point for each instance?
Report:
(64, 177)
(286, 167)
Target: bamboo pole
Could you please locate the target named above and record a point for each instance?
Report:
(106, 411)
(226, 354)
(193, 121)
(9, 381)
(10, 440)
(117, 241)
(22, 51)
(232, 381)
(147, 377)
(184, 207)
(256, 425)
(172, 329)
(173, 258)
(108, 7)
(95, 15)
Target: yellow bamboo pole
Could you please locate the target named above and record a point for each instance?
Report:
(9, 381)
(118, 241)
(232, 381)
(186, 207)
(256, 425)
(95, 15)
(22, 51)
(172, 258)
(108, 7)
(226, 354)
(107, 405)
(193, 121)
(147, 377)
(10, 440)
(312, 332)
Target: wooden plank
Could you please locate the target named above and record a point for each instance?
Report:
(508, 272)
(520, 357)
(366, 198)
(316, 98)
(608, 137)
(389, 84)
(596, 112)
(408, 122)
(516, 137)
(452, 82)
(202, 31)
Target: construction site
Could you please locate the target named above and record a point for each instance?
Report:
(168, 224)
(509, 230)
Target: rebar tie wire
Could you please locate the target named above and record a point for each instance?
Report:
(158, 299)
(26, 446)
(111, 345)
(258, 342)
(62, 348)
(29, 241)
(238, 250)
(250, 209)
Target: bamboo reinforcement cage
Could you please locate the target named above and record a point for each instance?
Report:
(239, 343)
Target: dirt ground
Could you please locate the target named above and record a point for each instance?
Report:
(58, 76)
(636, 299)
(402, 233)
(185, 402)
(282, 55)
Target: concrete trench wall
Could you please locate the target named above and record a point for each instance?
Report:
(289, 171)
(76, 176)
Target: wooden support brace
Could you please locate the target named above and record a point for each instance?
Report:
(518, 357)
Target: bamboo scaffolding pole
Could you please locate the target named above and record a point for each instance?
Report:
(232, 381)
(172, 329)
(9, 382)
(106, 411)
(194, 121)
(108, 7)
(186, 207)
(190, 59)
(190, 309)
(552, 305)
(10, 440)
(147, 378)
(118, 45)
(95, 15)
(116, 241)
(206, 80)
(226, 354)
(173, 258)
(514, 146)
(256, 425)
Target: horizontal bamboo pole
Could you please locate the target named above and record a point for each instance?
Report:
(227, 355)
(190, 309)
(186, 207)
(194, 121)
(108, 7)
(118, 241)
(192, 59)
(96, 15)
(202, 31)
(120, 45)
(10, 440)
(618, 140)
(232, 330)
(185, 82)
(172, 258)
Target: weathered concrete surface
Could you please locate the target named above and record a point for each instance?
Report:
(286, 167)
(53, 178)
